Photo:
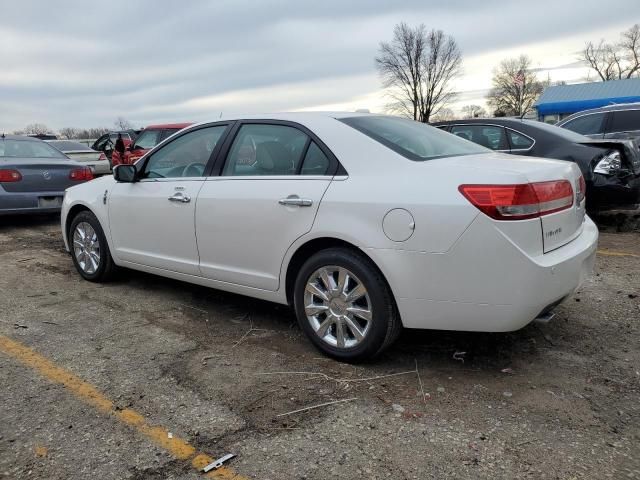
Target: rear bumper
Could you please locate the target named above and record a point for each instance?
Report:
(609, 193)
(485, 282)
(12, 203)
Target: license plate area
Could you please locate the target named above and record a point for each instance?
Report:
(50, 202)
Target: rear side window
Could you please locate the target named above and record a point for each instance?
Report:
(315, 161)
(486, 135)
(587, 124)
(625, 121)
(519, 141)
(413, 140)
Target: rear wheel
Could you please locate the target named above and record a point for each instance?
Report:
(89, 249)
(344, 305)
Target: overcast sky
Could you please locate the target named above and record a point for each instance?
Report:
(82, 64)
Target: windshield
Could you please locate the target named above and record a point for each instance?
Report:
(28, 149)
(562, 132)
(147, 139)
(413, 140)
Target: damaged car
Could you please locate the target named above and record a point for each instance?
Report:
(611, 167)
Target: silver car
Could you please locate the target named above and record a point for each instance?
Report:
(98, 161)
(34, 175)
(612, 121)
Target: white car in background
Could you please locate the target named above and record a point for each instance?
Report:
(363, 223)
(97, 161)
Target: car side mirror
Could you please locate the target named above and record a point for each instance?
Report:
(125, 173)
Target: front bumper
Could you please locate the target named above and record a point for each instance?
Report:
(485, 282)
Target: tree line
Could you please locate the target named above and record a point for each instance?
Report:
(120, 123)
(418, 68)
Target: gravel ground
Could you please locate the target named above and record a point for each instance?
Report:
(557, 401)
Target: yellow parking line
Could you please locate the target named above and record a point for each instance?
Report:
(177, 447)
(616, 254)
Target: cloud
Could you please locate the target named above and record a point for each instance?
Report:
(82, 63)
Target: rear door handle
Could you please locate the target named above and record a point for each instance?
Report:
(294, 200)
(179, 197)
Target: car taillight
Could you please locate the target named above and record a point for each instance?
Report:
(582, 189)
(102, 156)
(522, 201)
(9, 175)
(81, 174)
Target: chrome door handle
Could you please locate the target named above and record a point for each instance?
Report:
(179, 197)
(294, 200)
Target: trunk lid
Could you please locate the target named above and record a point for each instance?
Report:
(40, 175)
(83, 155)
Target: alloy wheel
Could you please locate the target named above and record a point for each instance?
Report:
(86, 247)
(338, 307)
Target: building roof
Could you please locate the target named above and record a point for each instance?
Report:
(581, 96)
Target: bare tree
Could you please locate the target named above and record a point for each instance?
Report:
(443, 115)
(122, 123)
(615, 61)
(36, 129)
(473, 111)
(70, 132)
(515, 87)
(417, 68)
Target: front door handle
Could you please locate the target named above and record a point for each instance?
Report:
(294, 200)
(179, 197)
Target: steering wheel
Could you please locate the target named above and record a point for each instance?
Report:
(194, 169)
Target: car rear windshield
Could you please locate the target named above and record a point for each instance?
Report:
(413, 140)
(28, 149)
(68, 146)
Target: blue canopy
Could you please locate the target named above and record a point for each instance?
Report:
(582, 96)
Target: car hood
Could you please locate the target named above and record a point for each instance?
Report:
(629, 148)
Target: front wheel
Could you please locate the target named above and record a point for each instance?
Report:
(89, 249)
(344, 305)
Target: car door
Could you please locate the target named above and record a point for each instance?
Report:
(152, 220)
(266, 196)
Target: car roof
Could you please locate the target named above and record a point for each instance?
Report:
(161, 126)
(25, 138)
(495, 120)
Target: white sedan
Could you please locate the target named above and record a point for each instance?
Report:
(363, 223)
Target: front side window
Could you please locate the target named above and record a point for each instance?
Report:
(147, 139)
(486, 135)
(28, 149)
(625, 121)
(519, 141)
(587, 125)
(413, 140)
(186, 156)
(263, 149)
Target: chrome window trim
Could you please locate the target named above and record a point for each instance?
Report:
(500, 126)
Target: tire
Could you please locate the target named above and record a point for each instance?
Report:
(336, 305)
(102, 268)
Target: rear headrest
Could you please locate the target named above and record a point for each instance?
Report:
(273, 158)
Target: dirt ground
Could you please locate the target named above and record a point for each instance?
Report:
(555, 401)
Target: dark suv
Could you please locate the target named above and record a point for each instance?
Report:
(613, 121)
